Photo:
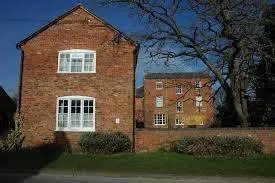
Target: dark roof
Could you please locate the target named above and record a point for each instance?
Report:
(6, 103)
(176, 75)
(140, 92)
(78, 6)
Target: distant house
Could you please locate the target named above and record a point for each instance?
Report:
(7, 109)
(139, 108)
(77, 76)
(177, 100)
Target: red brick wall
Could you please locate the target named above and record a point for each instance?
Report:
(152, 139)
(112, 85)
(170, 97)
(139, 110)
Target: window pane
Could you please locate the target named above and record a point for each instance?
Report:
(76, 65)
(159, 101)
(63, 113)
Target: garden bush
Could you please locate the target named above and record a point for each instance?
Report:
(219, 145)
(14, 140)
(104, 143)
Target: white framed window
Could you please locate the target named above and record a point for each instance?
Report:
(178, 106)
(76, 61)
(198, 101)
(198, 84)
(159, 101)
(160, 119)
(159, 85)
(178, 89)
(75, 113)
(179, 122)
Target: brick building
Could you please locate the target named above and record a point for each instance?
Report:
(176, 100)
(77, 75)
(139, 107)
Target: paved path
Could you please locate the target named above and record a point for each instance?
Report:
(103, 178)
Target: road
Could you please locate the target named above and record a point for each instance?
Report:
(103, 178)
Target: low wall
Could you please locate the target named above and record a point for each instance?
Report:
(152, 139)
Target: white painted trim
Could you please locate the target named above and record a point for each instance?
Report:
(76, 51)
(73, 129)
(157, 82)
(180, 90)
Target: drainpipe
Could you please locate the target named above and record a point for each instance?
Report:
(20, 78)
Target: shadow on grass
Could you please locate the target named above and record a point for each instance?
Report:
(27, 162)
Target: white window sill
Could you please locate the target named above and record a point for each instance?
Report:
(75, 130)
(159, 124)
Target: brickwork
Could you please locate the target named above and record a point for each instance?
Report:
(112, 85)
(139, 110)
(152, 139)
(191, 114)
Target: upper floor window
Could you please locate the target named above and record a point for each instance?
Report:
(178, 90)
(77, 61)
(75, 113)
(159, 101)
(198, 84)
(198, 101)
(159, 85)
(178, 106)
(160, 119)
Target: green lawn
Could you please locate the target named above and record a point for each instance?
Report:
(143, 163)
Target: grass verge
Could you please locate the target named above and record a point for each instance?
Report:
(142, 163)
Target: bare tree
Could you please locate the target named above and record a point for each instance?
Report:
(226, 36)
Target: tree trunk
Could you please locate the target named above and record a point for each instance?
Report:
(239, 83)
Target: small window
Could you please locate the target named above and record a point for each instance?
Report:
(159, 101)
(198, 84)
(178, 106)
(160, 119)
(179, 90)
(159, 85)
(198, 101)
(179, 122)
(77, 61)
(75, 113)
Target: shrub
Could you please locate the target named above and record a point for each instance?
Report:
(104, 143)
(219, 145)
(14, 140)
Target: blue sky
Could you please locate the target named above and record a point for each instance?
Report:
(20, 18)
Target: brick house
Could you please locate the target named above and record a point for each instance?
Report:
(139, 107)
(176, 100)
(77, 75)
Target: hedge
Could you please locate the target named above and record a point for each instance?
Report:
(219, 145)
(104, 143)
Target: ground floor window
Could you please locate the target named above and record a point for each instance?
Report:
(75, 113)
(179, 122)
(160, 119)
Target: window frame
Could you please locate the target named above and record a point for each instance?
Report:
(163, 120)
(159, 82)
(161, 97)
(199, 102)
(75, 129)
(176, 89)
(199, 83)
(181, 106)
(179, 124)
(71, 51)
